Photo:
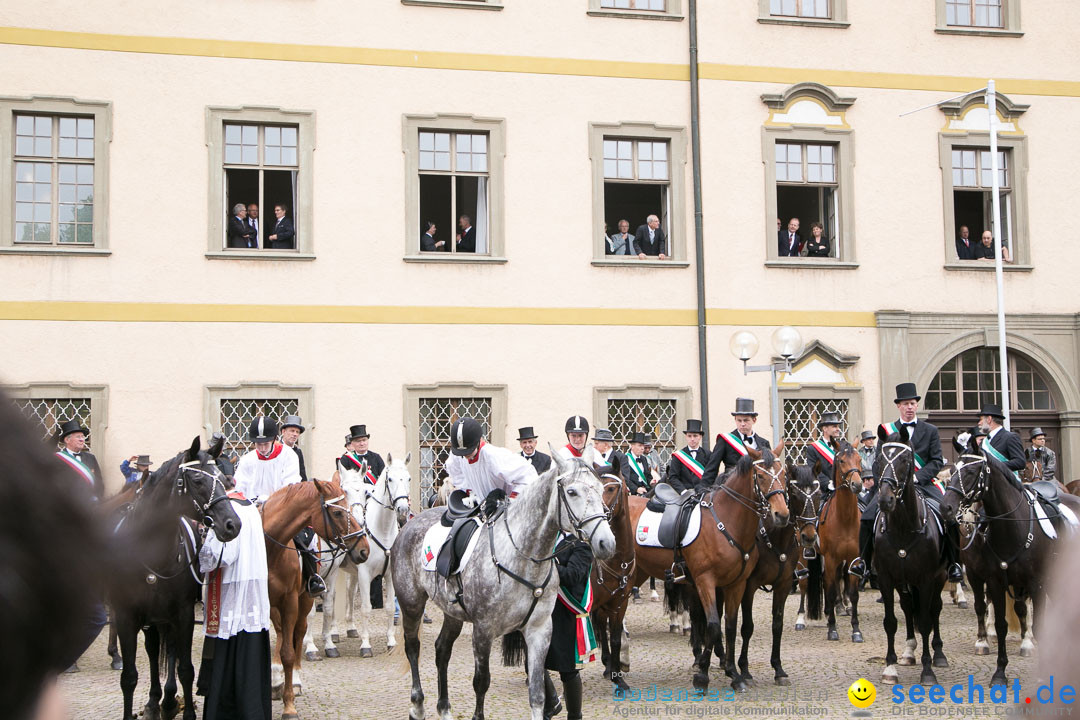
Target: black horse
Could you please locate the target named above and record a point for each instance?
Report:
(156, 592)
(1015, 554)
(907, 556)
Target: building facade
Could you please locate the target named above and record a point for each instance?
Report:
(132, 297)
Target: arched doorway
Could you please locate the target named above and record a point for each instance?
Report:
(972, 379)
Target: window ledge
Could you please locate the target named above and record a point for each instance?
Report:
(258, 255)
(804, 22)
(53, 250)
(804, 263)
(981, 266)
(474, 4)
(630, 14)
(634, 263)
(973, 30)
(455, 259)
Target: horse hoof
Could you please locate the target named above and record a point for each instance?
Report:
(906, 661)
(941, 661)
(739, 686)
(332, 652)
(701, 680)
(366, 652)
(1026, 652)
(117, 664)
(621, 684)
(928, 678)
(833, 635)
(673, 628)
(624, 667)
(889, 676)
(275, 692)
(963, 605)
(982, 649)
(352, 633)
(289, 716)
(783, 680)
(856, 637)
(335, 638)
(999, 679)
(313, 656)
(799, 626)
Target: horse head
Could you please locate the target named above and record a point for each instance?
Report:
(804, 501)
(335, 523)
(355, 489)
(847, 468)
(968, 482)
(398, 482)
(615, 491)
(894, 468)
(581, 509)
(769, 481)
(198, 486)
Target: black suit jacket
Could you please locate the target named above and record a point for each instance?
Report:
(966, 252)
(374, 461)
(812, 455)
(241, 235)
(286, 236)
(468, 241)
(541, 462)
(729, 456)
(91, 462)
(427, 243)
(681, 477)
(1009, 444)
(980, 251)
(782, 244)
(633, 482)
(642, 245)
(300, 457)
(927, 445)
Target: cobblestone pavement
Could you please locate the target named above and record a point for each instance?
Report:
(821, 671)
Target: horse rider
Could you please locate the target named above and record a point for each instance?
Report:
(636, 471)
(265, 470)
(687, 464)
(356, 445)
(573, 643)
(1043, 454)
(732, 446)
(72, 435)
(291, 430)
(488, 473)
(604, 452)
(821, 451)
(226, 465)
(868, 507)
(541, 462)
(868, 449)
(577, 431)
(926, 446)
(133, 468)
(1003, 445)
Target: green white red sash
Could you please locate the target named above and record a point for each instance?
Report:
(892, 429)
(825, 449)
(735, 442)
(359, 464)
(993, 452)
(77, 465)
(693, 465)
(637, 469)
(585, 646)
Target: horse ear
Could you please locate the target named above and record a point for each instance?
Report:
(779, 449)
(320, 486)
(216, 448)
(408, 457)
(882, 434)
(753, 453)
(193, 451)
(558, 460)
(789, 463)
(904, 436)
(389, 458)
(817, 467)
(616, 464)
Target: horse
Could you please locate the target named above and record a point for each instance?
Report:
(515, 591)
(907, 556)
(838, 536)
(112, 511)
(320, 505)
(1017, 553)
(724, 553)
(158, 594)
(380, 509)
(612, 579)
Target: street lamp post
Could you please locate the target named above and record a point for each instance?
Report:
(788, 343)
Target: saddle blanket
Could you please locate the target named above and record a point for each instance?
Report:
(433, 542)
(1044, 521)
(648, 528)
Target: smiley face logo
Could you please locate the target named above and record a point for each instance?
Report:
(862, 693)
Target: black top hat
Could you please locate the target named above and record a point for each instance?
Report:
(603, 435)
(1037, 432)
(867, 435)
(829, 418)
(263, 429)
(693, 426)
(527, 433)
(293, 421)
(143, 461)
(356, 431)
(907, 391)
(70, 427)
(744, 406)
(638, 437)
(992, 410)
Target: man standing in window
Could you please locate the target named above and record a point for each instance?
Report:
(965, 249)
(621, 242)
(428, 243)
(241, 235)
(650, 240)
(253, 222)
(284, 235)
(789, 241)
(466, 240)
(985, 249)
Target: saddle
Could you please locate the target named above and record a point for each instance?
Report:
(1047, 490)
(676, 508)
(458, 509)
(452, 550)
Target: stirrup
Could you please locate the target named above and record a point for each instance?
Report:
(801, 573)
(670, 576)
(316, 586)
(863, 570)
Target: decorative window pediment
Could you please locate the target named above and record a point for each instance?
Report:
(820, 365)
(808, 104)
(971, 114)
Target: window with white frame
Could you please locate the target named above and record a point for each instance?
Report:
(656, 5)
(800, 8)
(637, 184)
(972, 182)
(260, 167)
(454, 181)
(974, 13)
(807, 187)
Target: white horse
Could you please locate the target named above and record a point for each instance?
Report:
(380, 509)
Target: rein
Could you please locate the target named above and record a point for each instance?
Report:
(758, 505)
(628, 568)
(389, 505)
(982, 485)
(900, 487)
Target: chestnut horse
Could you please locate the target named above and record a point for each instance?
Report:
(838, 537)
(725, 551)
(320, 505)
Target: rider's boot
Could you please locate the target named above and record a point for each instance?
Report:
(571, 683)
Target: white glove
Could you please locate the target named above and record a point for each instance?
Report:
(963, 438)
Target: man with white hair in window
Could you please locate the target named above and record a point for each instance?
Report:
(649, 240)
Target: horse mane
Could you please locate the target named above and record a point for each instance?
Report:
(746, 462)
(996, 464)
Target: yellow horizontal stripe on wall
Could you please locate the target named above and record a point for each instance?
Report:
(424, 315)
(516, 63)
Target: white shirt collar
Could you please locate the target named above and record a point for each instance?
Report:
(995, 431)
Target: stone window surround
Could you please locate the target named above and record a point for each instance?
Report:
(683, 397)
(251, 389)
(467, 4)
(673, 12)
(301, 214)
(99, 403)
(53, 106)
(838, 19)
(1010, 18)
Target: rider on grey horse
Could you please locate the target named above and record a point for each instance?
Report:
(486, 472)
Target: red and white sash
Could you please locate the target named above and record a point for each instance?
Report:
(77, 465)
(691, 464)
(826, 451)
(735, 442)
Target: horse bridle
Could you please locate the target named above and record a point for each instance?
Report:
(759, 504)
(627, 568)
(387, 505)
(339, 544)
(982, 482)
(181, 488)
(898, 484)
(802, 520)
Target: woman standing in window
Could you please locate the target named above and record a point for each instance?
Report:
(818, 244)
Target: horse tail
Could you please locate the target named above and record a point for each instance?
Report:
(699, 622)
(1010, 612)
(815, 589)
(673, 597)
(513, 648)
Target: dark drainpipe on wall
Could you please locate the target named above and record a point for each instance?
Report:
(699, 240)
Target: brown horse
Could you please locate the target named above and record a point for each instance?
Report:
(320, 505)
(612, 580)
(725, 551)
(838, 538)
